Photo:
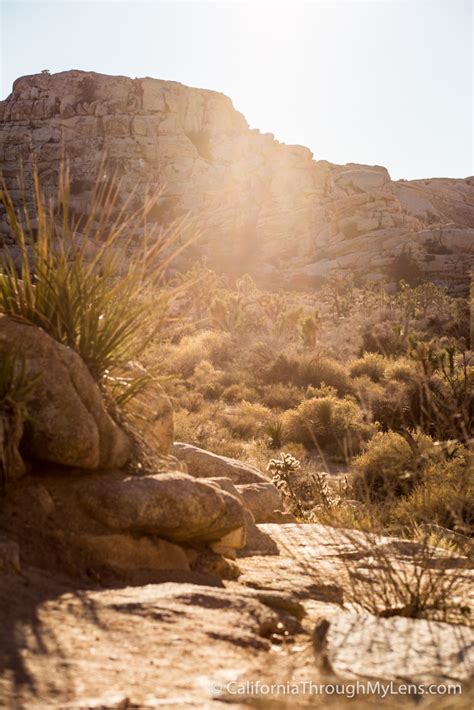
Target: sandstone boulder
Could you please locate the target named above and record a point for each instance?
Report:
(258, 493)
(205, 464)
(9, 555)
(129, 554)
(263, 500)
(174, 506)
(67, 420)
(256, 542)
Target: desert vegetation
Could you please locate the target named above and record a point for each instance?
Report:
(357, 401)
(370, 390)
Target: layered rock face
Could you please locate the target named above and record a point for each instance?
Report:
(261, 206)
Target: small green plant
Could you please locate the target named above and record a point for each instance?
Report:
(274, 430)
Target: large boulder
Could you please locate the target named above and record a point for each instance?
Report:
(67, 420)
(129, 553)
(205, 464)
(264, 501)
(173, 506)
(258, 493)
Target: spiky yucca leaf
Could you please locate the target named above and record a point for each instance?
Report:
(94, 290)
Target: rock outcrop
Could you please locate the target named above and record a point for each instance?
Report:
(261, 206)
(260, 496)
(170, 505)
(67, 421)
(288, 622)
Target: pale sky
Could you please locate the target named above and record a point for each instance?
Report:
(387, 82)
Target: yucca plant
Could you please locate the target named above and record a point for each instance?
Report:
(85, 281)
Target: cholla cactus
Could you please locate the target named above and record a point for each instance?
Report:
(282, 470)
(283, 466)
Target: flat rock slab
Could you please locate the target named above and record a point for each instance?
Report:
(414, 651)
(181, 644)
(158, 644)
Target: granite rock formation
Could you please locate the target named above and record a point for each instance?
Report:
(261, 206)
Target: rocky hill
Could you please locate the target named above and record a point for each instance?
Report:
(262, 206)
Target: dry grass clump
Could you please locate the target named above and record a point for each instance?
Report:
(391, 465)
(414, 579)
(333, 425)
(371, 365)
(213, 346)
(303, 370)
(246, 419)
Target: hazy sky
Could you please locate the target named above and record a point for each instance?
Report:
(386, 82)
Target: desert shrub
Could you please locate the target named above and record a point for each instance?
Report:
(246, 419)
(78, 288)
(305, 370)
(391, 465)
(368, 393)
(206, 379)
(320, 392)
(213, 346)
(238, 392)
(402, 370)
(444, 497)
(388, 404)
(384, 338)
(333, 425)
(281, 396)
(323, 371)
(371, 364)
(192, 401)
(282, 370)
